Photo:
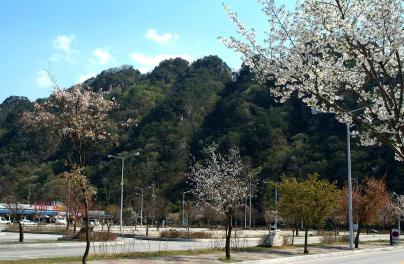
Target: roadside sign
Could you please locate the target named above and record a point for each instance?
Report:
(395, 235)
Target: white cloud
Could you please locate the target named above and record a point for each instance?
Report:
(103, 56)
(43, 80)
(87, 76)
(161, 39)
(147, 63)
(64, 42)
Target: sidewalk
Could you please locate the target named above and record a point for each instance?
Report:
(262, 255)
(324, 255)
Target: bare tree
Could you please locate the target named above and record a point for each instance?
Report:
(18, 211)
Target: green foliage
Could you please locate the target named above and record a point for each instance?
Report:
(311, 201)
(173, 113)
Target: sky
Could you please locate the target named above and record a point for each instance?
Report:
(75, 40)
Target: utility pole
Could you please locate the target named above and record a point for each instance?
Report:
(153, 196)
(183, 207)
(68, 208)
(249, 196)
(121, 211)
(276, 206)
(245, 214)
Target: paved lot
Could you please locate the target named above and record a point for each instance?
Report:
(40, 245)
(7, 237)
(37, 250)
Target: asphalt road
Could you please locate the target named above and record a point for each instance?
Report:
(11, 250)
(381, 257)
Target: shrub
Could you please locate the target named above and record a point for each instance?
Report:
(96, 236)
(287, 240)
(330, 238)
(261, 241)
(174, 233)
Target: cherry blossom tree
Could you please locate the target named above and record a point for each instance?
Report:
(76, 118)
(399, 202)
(387, 215)
(219, 182)
(335, 55)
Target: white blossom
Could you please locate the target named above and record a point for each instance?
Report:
(219, 181)
(330, 51)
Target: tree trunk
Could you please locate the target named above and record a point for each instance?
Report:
(67, 223)
(228, 234)
(306, 232)
(147, 224)
(75, 226)
(391, 238)
(21, 239)
(84, 259)
(293, 236)
(297, 230)
(357, 237)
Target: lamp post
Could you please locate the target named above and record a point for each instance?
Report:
(276, 203)
(183, 207)
(123, 165)
(141, 194)
(276, 206)
(141, 204)
(350, 217)
(348, 136)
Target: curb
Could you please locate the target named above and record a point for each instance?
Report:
(184, 239)
(298, 259)
(60, 244)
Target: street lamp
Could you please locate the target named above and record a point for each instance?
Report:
(141, 194)
(123, 165)
(348, 136)
(276, 203)
(183, 207)
(141, 204)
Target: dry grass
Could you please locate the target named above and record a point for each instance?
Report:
(174, 233)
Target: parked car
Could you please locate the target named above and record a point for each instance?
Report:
(93, 222)
(28, 222)
(4, 221)
(60, 222)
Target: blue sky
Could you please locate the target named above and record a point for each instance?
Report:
(76, 39)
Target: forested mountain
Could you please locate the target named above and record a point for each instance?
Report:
(169, 115)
